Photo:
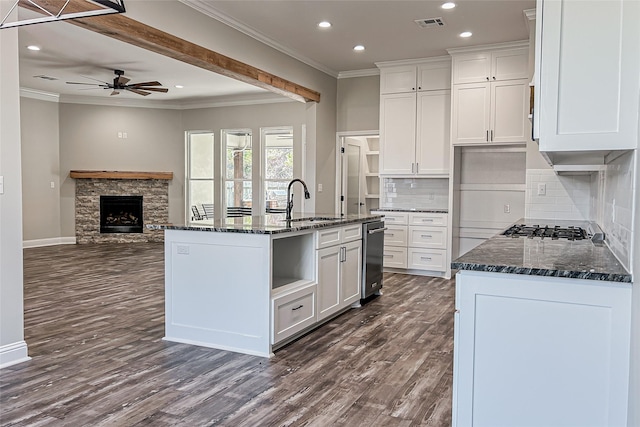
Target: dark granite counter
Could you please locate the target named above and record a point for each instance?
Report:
(416, 210)
(580, 259)
(268, 224)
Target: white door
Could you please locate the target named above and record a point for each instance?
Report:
(432, 146)
(352, 176)
(328, 265)
(351, 271)
(398, 134)
(509, 111)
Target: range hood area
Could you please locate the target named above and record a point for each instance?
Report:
(580, 162)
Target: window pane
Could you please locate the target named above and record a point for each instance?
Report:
(279, 163)
(238, 155)
(276, 192)
(238, 194)
(201, 155)
(200, 192)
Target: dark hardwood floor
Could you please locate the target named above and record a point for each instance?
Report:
(94, 322)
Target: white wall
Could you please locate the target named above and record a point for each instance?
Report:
(41, 166)
(566, 198)
(634, 380)
(13, 349)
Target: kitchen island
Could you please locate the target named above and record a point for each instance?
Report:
(542, 334)
(251, 284)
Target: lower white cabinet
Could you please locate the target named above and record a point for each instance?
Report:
(293, 312)
(540, 351)
(416, 241)
(339, 272)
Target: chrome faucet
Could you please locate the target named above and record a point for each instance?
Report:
(290, 196)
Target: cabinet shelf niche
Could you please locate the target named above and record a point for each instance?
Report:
(292, 263)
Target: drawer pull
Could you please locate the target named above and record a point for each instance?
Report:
(429, 236)
(389, 234)
(297, 308)
(388, 256)
(428, 258)
(427, 220)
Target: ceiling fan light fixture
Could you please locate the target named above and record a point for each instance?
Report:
(179, 87)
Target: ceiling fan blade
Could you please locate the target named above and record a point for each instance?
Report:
(137, 85)
(115, 92)
(154, 89)
(122, 80)
(91, 78)
(138, 91)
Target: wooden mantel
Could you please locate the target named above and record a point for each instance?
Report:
(120, 175)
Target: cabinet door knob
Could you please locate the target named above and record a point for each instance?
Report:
(494, 77)
(487, 78)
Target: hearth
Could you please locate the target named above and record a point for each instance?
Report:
(121, 214)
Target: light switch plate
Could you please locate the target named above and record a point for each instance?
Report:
(1, 184)
(542, 189)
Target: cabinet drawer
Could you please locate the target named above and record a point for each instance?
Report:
(394, 218)
(394, 257)
(395, 235)
(351, 232)
(428, 237)
(427, 259)
(430, 219)
(328, 237)
(293, 312)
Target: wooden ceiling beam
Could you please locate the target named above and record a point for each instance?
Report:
(120, 27)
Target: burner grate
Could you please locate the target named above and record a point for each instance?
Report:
(553, 233)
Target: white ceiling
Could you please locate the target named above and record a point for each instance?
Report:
(385, 27)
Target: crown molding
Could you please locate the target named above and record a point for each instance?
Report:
(206, 8)
(39, 94)
(234, 102)
(358, 73)
(417, 61)
(119, 102)
(507, 45)
(530, 14)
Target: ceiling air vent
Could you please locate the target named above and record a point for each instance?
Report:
(430, 22)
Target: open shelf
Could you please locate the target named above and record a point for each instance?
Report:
(292, 262)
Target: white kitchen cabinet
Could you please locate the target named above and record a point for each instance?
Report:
(490, 95)
(414, 133)
(586, 79)
(418, 241)
(540, 351)
(415, 109)
(494, 112)
(293, 312)
(485, 66)
(339, 271)
(434, 74)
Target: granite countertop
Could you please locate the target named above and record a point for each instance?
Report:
(580, 259)
(419, 210)
(268, 224)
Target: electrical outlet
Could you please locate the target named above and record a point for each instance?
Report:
(507, 208)
(124, 135)
(319, 188)
(120, 135)
(183, 249)
(53, 184)
(542, 189)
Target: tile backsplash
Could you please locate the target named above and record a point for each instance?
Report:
(617, 215)
(408, 193)
(565, 198)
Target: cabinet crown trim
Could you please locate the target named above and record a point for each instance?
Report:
(487, 47)
(384, 64)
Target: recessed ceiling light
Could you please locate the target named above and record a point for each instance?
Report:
(448, 5)
(466, 34)
(324, 24)
(358, 48)
(33, 47)
(179, 86)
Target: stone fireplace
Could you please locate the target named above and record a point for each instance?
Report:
(132, 199)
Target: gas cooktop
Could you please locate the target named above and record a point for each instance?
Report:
(550, 232)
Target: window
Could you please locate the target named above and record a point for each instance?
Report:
(237, 171)
(200, 182)
(278, 166)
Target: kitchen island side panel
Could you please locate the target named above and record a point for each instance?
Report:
(217, 290)
(535, 351)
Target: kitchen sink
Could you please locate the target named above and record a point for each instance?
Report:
(313, 219)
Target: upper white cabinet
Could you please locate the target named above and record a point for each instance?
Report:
(415, 105)
(490, 96)
(507, 64)
(586, 79)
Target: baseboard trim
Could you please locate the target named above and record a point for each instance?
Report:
(49, 242)
(12, 354)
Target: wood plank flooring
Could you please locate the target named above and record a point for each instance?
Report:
(94, 322)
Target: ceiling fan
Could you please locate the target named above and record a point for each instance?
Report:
(120, 83)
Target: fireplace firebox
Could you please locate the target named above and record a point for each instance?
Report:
(121, 214)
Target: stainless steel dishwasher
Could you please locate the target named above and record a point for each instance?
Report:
(372, 255)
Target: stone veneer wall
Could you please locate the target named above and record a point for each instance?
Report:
(155, 206)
